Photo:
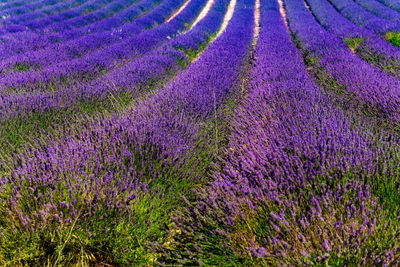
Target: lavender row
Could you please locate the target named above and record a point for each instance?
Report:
(14, 6)
(375, 91)
(68, 15)
(391, 3)
(360, 16)
(75, 40)
(331, 19)
(13, 28)
(93, 15)
(44, 22)
(119, 19)
(107, 11)
(380, 10)
(28, 42)
(156, 65)
(27, 9)
(11, 4)
(111, 55)
(369, 45)
(45, 11)
(157, 132)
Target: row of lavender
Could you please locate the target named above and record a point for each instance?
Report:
(69, 32)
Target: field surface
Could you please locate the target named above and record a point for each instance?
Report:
(199, 132)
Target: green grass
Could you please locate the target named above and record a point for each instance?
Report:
(393, 38)
(353, 42)
(22, 67)
(386, 63)
(192, 54)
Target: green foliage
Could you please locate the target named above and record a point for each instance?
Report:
(192, 54)
(353, 42)
(386, 63)
(385, 187)
(22, 67)
(393, 38)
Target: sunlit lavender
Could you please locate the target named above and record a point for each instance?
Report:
(199, 132)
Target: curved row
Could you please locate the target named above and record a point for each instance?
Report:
(374, 91)
(45, 11)
(9, 15)
(78, 10)
(14, 5)
(361, 17)
(114, 48)
(380, 10)
(24, 43)
(364, 43)
(391, 3)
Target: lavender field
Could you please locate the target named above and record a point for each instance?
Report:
(199, 132)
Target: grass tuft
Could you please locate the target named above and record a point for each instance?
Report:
(353, 42)
(393, 38)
